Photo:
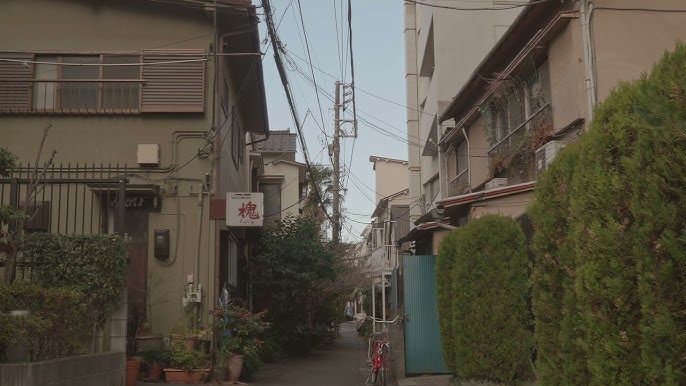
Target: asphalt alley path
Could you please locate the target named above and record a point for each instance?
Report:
(342, 364)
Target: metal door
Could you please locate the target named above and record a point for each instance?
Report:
(423, 354)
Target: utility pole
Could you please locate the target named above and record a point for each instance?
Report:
(339, 105)
(336, 226)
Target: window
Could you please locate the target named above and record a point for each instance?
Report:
(431, 190)
(272, 201)
(461, 158)
(86, 83)
(170, 81)
(237, 143)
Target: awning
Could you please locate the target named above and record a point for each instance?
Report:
(418, 232)
(484, 195)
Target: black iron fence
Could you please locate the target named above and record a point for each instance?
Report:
(66, 199)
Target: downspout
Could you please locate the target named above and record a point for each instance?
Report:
(587, 43)
(196, 271)
(469, 159)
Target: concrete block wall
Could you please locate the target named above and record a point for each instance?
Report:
(105, 369)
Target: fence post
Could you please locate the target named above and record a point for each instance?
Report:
(14, 200)
(121, 208)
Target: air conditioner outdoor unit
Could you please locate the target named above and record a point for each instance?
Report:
(496, 183)
(546, 154)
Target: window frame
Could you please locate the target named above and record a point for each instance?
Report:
(59, 80)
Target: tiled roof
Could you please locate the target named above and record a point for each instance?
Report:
(279, 141)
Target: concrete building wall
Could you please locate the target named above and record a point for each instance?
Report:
(290, 189)
(567, 85)
(629, 43)
(390, 176)
(443, 47)
(128, 26)
(510, 206)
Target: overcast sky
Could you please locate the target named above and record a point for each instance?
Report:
(379, 70)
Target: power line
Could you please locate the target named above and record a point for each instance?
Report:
(278, 48)
(309, 58)
(503, 8)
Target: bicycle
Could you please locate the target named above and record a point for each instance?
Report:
(377, 353)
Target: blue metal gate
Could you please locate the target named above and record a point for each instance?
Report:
(423, 353)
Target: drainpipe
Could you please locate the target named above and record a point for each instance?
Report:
(587, 43)
(469, 159)
(196, 272)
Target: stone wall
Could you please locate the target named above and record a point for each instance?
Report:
(106, 369)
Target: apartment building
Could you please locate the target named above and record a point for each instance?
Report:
(151, 105)
(442, 48)
(535, 92)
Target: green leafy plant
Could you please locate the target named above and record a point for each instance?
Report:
(487, 306)
(58, 322)
(240, 330)
(188, 360)
(156, 356)
(618, 252)
(93, 264)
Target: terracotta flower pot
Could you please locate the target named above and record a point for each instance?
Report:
(235, 367)
(133, 367)
(183, 376)
(154, 372)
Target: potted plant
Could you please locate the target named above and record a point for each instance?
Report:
(186, 366)
(133, 368)
(239, 332)
(155, 359)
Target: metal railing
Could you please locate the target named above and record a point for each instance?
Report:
(68, 199)
(519, 136)
(74, 96)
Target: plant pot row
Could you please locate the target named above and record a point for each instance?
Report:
(230, 373)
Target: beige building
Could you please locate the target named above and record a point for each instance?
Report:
(535, 91)
(283, 180)
(390, 176)
(137, 83)
(442, 47)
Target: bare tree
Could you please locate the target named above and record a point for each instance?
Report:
(36, 185)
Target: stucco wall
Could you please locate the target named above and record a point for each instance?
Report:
(565, 60)
(130, 26)
(628, 43)
(511, 206)
(391, 177)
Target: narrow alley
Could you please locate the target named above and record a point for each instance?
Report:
(344, 364)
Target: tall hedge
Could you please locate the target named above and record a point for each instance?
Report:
(445, 289)
(626, 231)
(490, 325)
(560, 359)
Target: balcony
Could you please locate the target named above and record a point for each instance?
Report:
(527, 135)
(74, 96)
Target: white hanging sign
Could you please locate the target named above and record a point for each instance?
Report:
(244, 209)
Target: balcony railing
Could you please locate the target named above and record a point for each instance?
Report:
(74, 96)
(523, 135)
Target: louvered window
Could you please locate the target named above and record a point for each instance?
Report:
(168, 81)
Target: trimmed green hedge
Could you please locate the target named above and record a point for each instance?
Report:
(483, 284)
(560, 360)
(611, 246)
(59, 320)
(94, 264)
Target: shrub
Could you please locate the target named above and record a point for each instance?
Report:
(93, 264)
(445, 290)
(491, 326)
(627, 233)
(58, 322)
(556, 316)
